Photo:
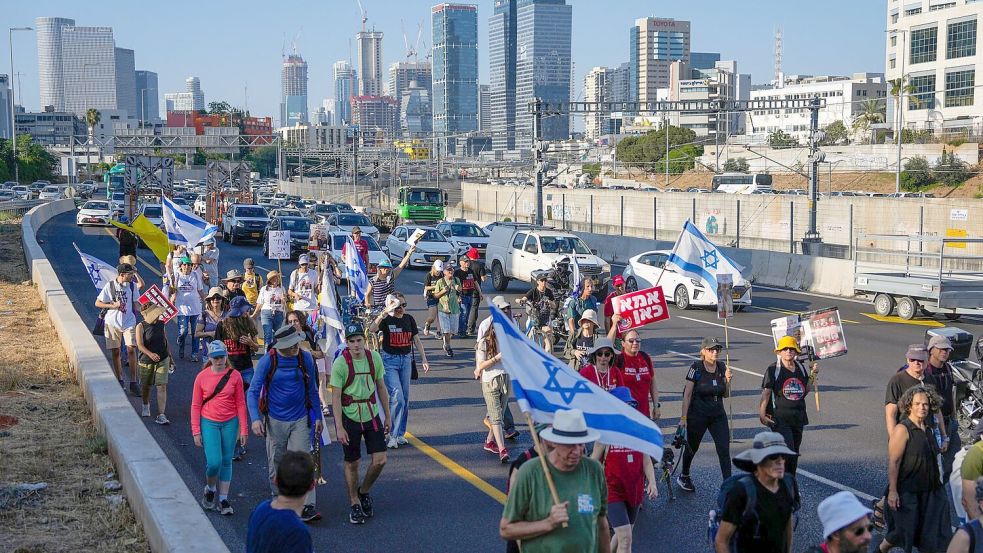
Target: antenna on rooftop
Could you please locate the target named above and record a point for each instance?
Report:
(779, 74)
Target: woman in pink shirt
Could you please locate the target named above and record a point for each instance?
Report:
(218, 421)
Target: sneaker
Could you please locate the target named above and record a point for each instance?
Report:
(450, 352)
(180, 351)
(134, 389)
(491, 447)
(310, 514)
(208, 499)
(401, 441)
(503, 456)
(146, 410)
(393, 443)
(162, 419)
(225, 508)
(194, 357)
(685, 483)
(356, 516)
(366, 503)
(512, 434)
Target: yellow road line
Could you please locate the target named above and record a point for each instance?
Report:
(775, 310)
(895, 319)
(140, 259)
(457, 469)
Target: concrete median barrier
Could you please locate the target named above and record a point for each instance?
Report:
(169, 513)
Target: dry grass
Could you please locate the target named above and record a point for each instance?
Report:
(53, 440)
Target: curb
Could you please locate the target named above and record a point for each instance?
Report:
(171, 517)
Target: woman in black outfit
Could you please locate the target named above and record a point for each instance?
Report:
(707, 384)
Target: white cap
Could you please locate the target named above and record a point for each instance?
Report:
(303, 259)
(438, 265)
(840, 510)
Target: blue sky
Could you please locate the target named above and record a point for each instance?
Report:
(232, 45)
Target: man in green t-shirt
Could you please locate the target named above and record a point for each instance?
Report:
(447, 292)
(358, 384)
(532, 517)
(970, 470)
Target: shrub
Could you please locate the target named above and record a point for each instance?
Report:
(737, 165)
(916, 175)
(950, 170)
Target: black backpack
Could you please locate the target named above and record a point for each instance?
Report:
(749, 517)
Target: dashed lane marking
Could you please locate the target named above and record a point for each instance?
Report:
(899, 320)
(457, 469)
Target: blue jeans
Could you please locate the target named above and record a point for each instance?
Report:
(398, 370)
(467, 303)
(270, 321)
(186, 329)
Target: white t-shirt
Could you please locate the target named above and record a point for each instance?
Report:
(188, 301)
(303, 285)
(271, 298)
(175, 258)
(123, 318)
(209, 263)
(480, 356)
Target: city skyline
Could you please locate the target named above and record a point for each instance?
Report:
(744, 34)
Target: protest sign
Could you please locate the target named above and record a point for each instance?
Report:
(725, 295)
(279, 244)
(415, 237)
(319, 238)
(155, 296)
(640, 308)
(820, 330)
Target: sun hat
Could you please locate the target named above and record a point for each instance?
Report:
(590, 315)
(151, 312)
(303, 259)
(233, 274)
(356, 229)
(438, 265)
(840, 510)
(569, 427)
(940, 342)
(787, 342)
(239, 307)
(500, 302)
(392, 302)
(131, 259)
(624, 394)
(354, 330)
(618, 280)
(286, 337)
(272, 274)
(764, 444)
(248, 263)
(217, 349)
(917, 352)
(600, 344)
(710, 342)
(473, 254)
(125, 268)
(215, 291)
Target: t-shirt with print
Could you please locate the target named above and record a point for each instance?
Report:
(708, 389)
(585, 490)
(397, 334)
(272, 298)
(607, 381)
(188, 297)
(251, 283)
(430, 280)
(583, 343)
(362, 387)
(123, 318)
(638, 374)
(900, 382)
(240, 355)
(303, 283)
(448, 302)
(788, 394)
(773, 509)
(470, 282)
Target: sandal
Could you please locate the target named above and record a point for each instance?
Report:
(878, 519)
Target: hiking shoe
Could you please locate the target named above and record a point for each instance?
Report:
(685, 483)
(356, 516)
(512, 434)
(491, 447)
(503, 456)
(208, 499)
(162, 419)
(225, 508)
(310, 514)
(393, 443)
(366, 503)
(134, 389)
(146, 410)
(401, 441)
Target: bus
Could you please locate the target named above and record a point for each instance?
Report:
(113, 179)
(742, 183)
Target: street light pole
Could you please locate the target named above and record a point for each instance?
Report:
(900, 107)
(13, 115)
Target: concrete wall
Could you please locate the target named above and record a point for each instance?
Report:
(873, 157)
(171, 517)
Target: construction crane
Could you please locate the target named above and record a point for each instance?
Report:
(365, 16)
(412, 52)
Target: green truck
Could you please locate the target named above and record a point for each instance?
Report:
(415, 204)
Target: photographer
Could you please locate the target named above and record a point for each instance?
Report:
(783, 390)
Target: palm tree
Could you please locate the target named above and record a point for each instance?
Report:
(92, 118)
(872, 112)
(902, 86)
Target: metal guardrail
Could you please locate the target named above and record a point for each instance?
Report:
(18, 207)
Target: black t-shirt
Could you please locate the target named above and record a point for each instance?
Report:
(708, 389)
(788, 393)
(900, 382)
(583, 343)
(240, 355)
(943, 377)
(773, 509)
(397, 334)
(155, 340)
(470, 282)
(429, 281)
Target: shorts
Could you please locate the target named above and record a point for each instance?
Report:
(431, 302)
(496, 394)
(116, 336)
(154, 374)
(374, 433)
(620, 513)
(448, 322)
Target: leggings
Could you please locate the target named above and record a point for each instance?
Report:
(696, 427)
(219, 439)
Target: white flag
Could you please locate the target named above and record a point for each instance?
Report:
(99, 271)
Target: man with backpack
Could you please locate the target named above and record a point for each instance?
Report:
(284, 404)
(969, 537)
(754, 511)
(358, 388)
(846, 525)
(783, 397)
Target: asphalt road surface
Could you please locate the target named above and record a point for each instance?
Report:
(443, 492)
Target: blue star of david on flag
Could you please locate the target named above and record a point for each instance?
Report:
(709, 258)
(98, 270)
(695, 256)
(553, 385)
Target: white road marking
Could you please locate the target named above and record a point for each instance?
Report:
(755, 332)
(811, 294)
(803, 472)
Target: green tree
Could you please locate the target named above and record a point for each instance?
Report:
(592, 169)
(950, 170)
(92, 118)
(736, 165)
(219, 108)
(263, 160)
(781, 139)
(916, 175)
(651, 147)
(872, 112)
(34, 161)
(681, 159)
(836, 133)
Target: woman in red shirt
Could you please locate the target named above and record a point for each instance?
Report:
(218, 422)
(600, 367)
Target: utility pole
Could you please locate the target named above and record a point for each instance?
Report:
(354, 163)
(900, 107)
(538, 148)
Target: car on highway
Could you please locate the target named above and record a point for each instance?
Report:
(345, 222)
(345, 207)
(37, 186)
(199, 206)
(376, 255)
(118, 200)
(8, 195)
(8, 185)
(286, 212)
(153, 213)
(94, 212)
(49, 193)
(22, 191)
(645, 269)
(464, 234)
(300, 233)
(429, 248)
(244, 222)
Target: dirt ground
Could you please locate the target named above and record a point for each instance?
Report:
(47, 435)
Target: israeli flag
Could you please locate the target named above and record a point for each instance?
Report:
(99, 271)
(542, 384)
(355, 270)
(329, 317)
(697, 257)
(185, 228)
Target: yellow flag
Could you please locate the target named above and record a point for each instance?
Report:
(153, 237)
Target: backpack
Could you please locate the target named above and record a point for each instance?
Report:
(346, 399)
(264, 407)
(956, 480)
(750, 514)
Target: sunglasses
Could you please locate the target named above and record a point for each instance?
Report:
(403, 305)
(861, 530)
(604, 353)
(773, 458)
(633, 341)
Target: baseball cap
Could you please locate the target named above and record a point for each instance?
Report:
(618, 280)
(438, 265)
(710, 342)
(542, 276)
(356, 229)
(917, 352)
(303, 259)
(940, 342)
(500, 302)
(125, 268)
(217, 349)
(354, 330)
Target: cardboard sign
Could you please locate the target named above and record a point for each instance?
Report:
(155, 296)
(640, 308)
(415, 237)
(319, 238)
(820, 330)
(279, 244)
(725, 295)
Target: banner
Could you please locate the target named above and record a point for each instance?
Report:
(725, 295)
(820, 330)
(279, 244)
(640, 308)
(155, 296)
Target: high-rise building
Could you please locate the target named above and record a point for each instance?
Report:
(6, 118)
(179, 101)
(376, 117)
(501, 58)
(722, 82)
(192, 85)
(415, 111)
(542, 67)
(703, 60)
(654, 44)
(369, 45)
(402, 72)
(605, 84)
(324, 115)
(50, 72)
(126, 82)
(345, 86)
(455, 70)
(148, 107)
(293, 80)
(484, 108)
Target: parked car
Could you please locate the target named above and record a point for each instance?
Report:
(464, 234)
(431, 246)
(8, 195)
(49, 193)
(300, 233)
(345, 222)
(644, 270)
(8, 185)
(244, 222)
(37, 186)
(376, 255)
(94, 212)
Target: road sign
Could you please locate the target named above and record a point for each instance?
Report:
(725, 295)
(640, 308)
(154, 295)
(279, 244)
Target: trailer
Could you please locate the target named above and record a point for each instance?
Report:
(930, 275)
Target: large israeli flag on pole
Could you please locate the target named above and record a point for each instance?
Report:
(185, 228)
(542, 384)
(332, 327)
(98, 270)
(355, 269)
(695, 256)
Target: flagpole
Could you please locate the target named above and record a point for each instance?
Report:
(730, 395)
(671, 253)
(542, 459)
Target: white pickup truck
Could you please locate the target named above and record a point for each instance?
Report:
(516, 250)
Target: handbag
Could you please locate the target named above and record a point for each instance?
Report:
(99, 327)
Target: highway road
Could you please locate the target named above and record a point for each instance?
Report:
(442, 492)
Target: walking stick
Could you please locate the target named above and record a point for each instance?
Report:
(542, 460)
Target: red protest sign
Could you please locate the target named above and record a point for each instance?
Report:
(640, 308)
(154, 295)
